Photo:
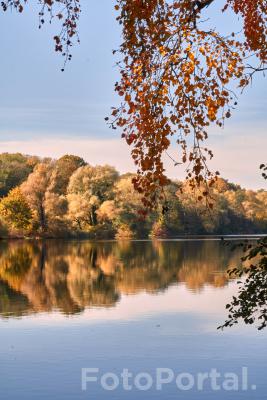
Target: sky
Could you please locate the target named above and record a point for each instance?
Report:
(49, 113)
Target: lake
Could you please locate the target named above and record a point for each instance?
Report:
(124, 320)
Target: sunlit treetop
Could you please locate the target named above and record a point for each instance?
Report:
(177, 79)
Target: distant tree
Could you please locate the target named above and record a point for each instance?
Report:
(63, 169)
(15, 210)
(56, 208)
(171, 213)
(107, 211)
(129, 208)
(82, 210)
(124, 232)
(96, 181)
(14, 169)
(88, 188)
(34, 189)
(159, 229)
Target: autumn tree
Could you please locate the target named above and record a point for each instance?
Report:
(88, 188)
(129, 219)
(14, 169)
(64, 167)
(107, 211)
(176, 80)
(34, 189)
(56, 208)
(170, 220)
(46, 190)
(15, 210)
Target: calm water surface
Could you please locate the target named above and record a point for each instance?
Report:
(65, 306)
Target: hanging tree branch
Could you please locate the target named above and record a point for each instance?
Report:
(175, 78)
(66, 11)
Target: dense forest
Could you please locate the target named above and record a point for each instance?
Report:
(70, 198)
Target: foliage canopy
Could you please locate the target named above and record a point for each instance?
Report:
(68, 197)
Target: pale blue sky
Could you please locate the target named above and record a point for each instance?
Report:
(47, 112)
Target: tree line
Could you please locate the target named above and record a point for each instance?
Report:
(67, 197)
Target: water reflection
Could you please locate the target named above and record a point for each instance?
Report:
(72, 276)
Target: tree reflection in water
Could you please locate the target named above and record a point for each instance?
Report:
(71, 276)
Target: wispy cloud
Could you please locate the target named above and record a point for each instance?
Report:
(50, 119)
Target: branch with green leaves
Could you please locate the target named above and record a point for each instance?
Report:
(250, 304)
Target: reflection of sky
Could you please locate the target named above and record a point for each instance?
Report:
(173, 327)
(42, 356)
(38, 101)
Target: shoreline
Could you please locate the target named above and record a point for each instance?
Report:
(222, 238)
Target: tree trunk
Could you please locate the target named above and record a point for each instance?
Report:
(42, 218)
